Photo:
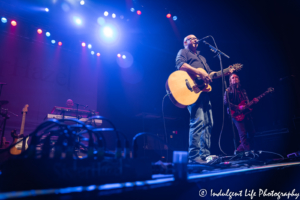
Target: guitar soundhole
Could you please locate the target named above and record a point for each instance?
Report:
(199, 82)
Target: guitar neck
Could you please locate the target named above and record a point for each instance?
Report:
(23, 123)
(259, 97)
(218, 74)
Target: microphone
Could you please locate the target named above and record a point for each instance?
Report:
(203, 38)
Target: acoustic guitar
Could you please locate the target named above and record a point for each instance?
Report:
(17, 149)
(239, 115)
(184, 89)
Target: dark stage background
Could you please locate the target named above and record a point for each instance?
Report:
(262, 35)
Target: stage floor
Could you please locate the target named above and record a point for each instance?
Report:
(158, 181)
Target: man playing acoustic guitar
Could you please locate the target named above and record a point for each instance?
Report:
(201, 120)
(245, 126)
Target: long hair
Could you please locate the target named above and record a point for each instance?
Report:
(233, 86)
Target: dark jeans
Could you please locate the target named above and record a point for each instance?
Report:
(201, 123)
(246, 132)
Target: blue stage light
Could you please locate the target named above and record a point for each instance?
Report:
(175, 18)
(3, 20)
(92, 52)
(132, 9)
(47, 34)
(113, 15)
(47, 9)
(77, 20)
(108, 32)
(53, 41)
(82, 2)
(89, 46)
(124, 57)
(105, 13)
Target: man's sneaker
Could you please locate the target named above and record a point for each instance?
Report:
(211, 158)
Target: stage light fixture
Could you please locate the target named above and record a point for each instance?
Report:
(124, 57)
(108, 32)
(139, 12)
(119, 55)
(13, 23)
(53, 41)
(175, 18)
(77, 20)
(47, 34)
(98, 54)
(92, 52)
(47, 9)
(83, 44)
(89, 46)
(3, 20)
(113, 15)
(39, 31)
(169, 15)
(81, 2)
(132, 9)
(59, 43)
(105, 13)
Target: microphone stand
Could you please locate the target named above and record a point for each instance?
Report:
(219, 53)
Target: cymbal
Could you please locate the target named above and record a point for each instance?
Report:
(3, 102)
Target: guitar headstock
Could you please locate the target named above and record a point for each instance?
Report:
(25, 109)
(270, 90)
(237, 66)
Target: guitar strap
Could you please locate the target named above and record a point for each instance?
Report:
(203, 63)
(245, 96)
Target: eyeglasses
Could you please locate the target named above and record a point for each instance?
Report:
(192, 39)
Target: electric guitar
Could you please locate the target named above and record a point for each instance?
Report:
(239, 115)
(17, 149)
(184, 89)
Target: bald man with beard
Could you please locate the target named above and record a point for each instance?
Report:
(201, 119)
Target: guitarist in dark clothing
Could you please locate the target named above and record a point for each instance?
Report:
(245, 127)
(201, 120)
